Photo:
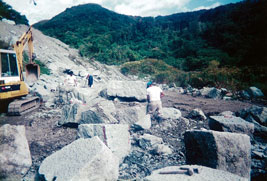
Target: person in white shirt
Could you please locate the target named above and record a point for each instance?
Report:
(71, 80)
(154, 95)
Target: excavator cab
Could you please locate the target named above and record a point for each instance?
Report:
(11, 85)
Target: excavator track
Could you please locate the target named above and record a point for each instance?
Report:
(21, 106)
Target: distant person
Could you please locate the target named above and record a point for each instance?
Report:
(90, 80)
(71, 80)
(154, 95)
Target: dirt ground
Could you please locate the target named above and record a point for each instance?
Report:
(186, 103)
(45, 136)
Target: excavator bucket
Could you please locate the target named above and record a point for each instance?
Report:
(32, 72)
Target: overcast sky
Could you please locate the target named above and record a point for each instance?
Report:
(46, 9)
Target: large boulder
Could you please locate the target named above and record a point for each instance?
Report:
(221, 150)
(197, 114)
(244, 94)
(142, 124)
(15, 157)
(231, 124)
(204, 173)
(255, 92)
(106, 110)
(115, 136)
(90, 117)
(257, 113)
(170, 113)
(75, 114)
(130, 115)
(211, 92)
(83, 159)
(127, 90)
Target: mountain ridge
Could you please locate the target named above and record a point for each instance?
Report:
(80, 24)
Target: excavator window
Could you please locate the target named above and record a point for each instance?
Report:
(9, 65)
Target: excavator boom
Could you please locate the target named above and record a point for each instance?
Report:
(32, 69)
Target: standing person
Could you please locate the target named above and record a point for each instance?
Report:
(71, 80)
(70, 84)
(90, 80)
(154, 95)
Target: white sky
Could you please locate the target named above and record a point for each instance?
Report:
(46, 9)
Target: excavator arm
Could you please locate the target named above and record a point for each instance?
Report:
(32, 69)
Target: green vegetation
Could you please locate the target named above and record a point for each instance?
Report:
(157, 69)
(232, 78)
(225, 46)
(7, 12)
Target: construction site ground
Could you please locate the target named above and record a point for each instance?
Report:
(45, 136)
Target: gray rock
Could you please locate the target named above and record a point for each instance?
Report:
(144, 123)
(255, 92)
(162, 149)
(258, 154)
(185, 121)
(9, 22)
(231, 124)
(106, 110)
(83, 159)
(205, 173)
(15, 157)
(210, 92)
(197, 114)
(170, 113)
(41, 91)
(244, 94)
(130, 115)
(154, 144)
(127, 90)
(90, 117)
(259, 114)
(227, 114)
(227, 98)
(221, 150)
(75, 114)
(115, 136)
(70, 115)
(180, 90)
(153, 140)
(259, 130)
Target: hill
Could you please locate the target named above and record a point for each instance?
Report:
(232, 35)
(224, 33)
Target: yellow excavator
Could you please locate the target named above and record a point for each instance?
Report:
(13, 89)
